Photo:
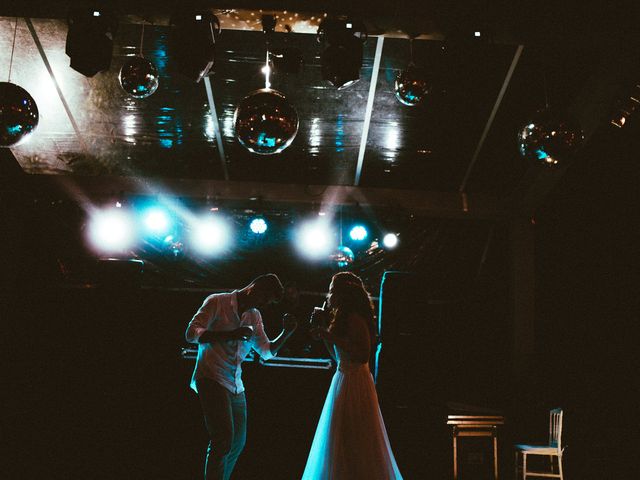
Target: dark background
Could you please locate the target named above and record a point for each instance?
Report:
(94, 385)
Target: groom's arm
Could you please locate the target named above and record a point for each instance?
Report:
(269, 348)
(289, 325)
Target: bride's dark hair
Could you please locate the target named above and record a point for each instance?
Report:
(350, 296)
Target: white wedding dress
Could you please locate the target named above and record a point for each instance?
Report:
(351, 441)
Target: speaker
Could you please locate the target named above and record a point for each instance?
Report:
(90, 40)
(192, 44)
(419, 355)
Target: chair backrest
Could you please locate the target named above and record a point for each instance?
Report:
(555, 428)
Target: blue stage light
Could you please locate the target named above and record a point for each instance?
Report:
(156, 221)
(358, 233)
(258, 226)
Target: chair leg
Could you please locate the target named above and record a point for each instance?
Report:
(560, 467)
(524, 466)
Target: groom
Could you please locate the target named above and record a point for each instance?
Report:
(226, 327)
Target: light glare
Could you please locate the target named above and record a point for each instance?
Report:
(156, 221)
(111, 230)
(358, 233)
(315, 239)
(390, 240)
(258, 226)
(210, 235)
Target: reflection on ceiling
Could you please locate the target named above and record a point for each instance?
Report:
(482, 95)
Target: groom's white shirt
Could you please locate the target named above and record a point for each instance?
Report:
(222, 361)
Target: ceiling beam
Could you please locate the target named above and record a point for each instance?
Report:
(369, 109)
(420, 203)
(496, 106)
(216, 128)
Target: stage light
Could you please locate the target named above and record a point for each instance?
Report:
(548, 138)
(192, 43)
(342, 57)
(89, 42)
(112, 230)
(358, 233)
(258, 226)
(18, 114)
(315, 239)
(390, 240)
(210, 234)
(156, 221)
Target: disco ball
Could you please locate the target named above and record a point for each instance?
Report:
(548, 138)
(139, 77)
(411, 86)
(265, 122)
(343, 256)
(174, 247)
(18, 114)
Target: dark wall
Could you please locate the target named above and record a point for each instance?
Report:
(588, 278)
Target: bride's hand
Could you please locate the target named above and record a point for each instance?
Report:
(319, 318)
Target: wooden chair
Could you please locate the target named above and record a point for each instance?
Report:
(553, 449)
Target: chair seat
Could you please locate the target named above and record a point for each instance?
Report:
(537, 449)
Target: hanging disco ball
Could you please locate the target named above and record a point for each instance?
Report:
(411, 86)
(139, 77)
(343, 256)
(265, 122)
(548, 138)
(18, 114)
(174, 246)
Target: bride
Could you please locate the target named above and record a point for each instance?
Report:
(351, 441)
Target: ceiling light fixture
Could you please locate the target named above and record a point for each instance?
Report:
(193, 42)
(342, 57)
(90, 40)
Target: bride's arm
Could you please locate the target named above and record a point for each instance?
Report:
(355, 343)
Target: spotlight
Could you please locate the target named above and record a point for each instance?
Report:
(342, 58)
(358, 233)
(193, 42)
(156, 221)
(111, 230)
(90, 40)
(258, 226)
(390, 240)
(210, 235)
(315, 239)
